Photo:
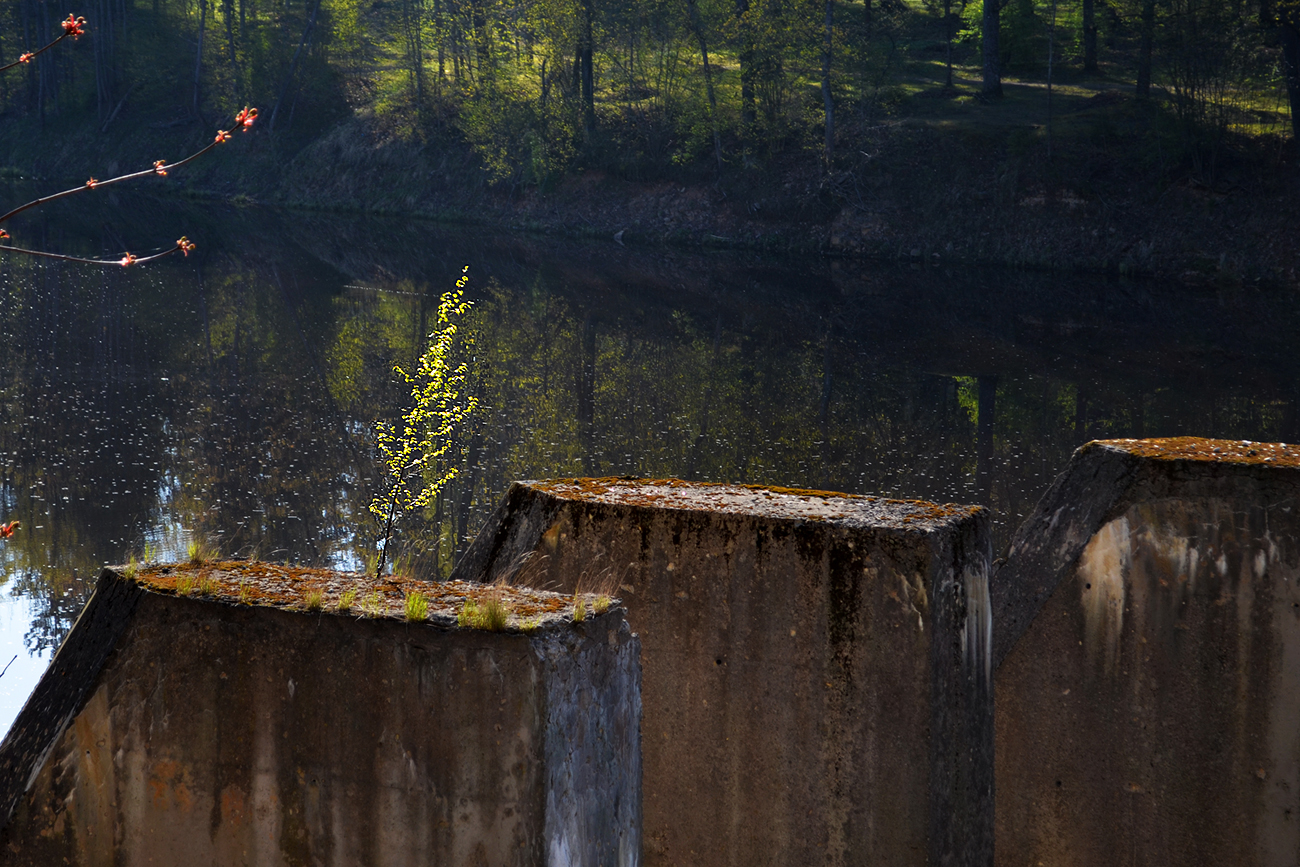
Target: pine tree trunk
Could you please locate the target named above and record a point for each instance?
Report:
(748, 115)
(1089, 36)
(198, 56)
(229, 12)
(989, 40)
(1290, 38)
(293, 65)
(693, 13)
(1148, 35)
(586, 72)
(828, 102)
(947, 34)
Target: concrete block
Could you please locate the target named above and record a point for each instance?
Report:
(191, 729)
(1147, 639)
(815, 665)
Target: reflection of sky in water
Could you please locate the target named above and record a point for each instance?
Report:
(20, 679)
(229, 399)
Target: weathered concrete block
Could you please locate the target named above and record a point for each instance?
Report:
(815, 665)
(1147, 624)
(178, 729)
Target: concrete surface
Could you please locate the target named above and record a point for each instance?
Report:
(816, 666)
(203, 732)
(1147, 623)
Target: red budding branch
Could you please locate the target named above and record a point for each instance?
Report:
(75, 26)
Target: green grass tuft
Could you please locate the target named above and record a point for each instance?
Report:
(489, 613)
(373, 605)
(417, 608)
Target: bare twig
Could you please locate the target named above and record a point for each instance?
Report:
(244, 120)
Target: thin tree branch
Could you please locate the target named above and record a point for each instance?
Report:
(127, 258)
(72, 26)
(244, 121)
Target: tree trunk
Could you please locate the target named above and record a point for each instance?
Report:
(587, 398)
(229, 10)
(293, 65)
(586, 71)
(1089, 36)
(441, 36)
(989, 40)
(104, 60)
(828, 102)
(1051, 57)
(947, 33)
(198, 56)
(482, 41)
(693, 13)
(1148, 35)
(417, 52)
(1290, 37)
(748, 115)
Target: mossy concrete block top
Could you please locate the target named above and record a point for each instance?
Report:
(815, 665)
(250, 714)
(1147, 627)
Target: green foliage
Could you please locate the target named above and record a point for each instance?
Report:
(373, 604)
(1022, 42)
(1207, 55)
(417, 608)
(498, 81)
(197, 552)
(489, 612)
(421, 455)
(518, 139)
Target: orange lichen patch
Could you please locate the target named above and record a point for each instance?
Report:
(1201, 449)
(596, 487)
(771, 502)
(247, 582)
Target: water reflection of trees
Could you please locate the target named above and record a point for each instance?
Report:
(231, 397)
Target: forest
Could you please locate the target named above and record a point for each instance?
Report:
(537, 89)
(1128, 137)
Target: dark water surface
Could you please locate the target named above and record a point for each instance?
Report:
(229, 397)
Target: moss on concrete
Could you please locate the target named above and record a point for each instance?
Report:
(249, 582)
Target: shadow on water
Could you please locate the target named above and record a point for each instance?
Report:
(229, 396)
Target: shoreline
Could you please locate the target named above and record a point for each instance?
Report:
(942, 198)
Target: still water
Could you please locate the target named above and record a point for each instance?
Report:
(230, 397)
